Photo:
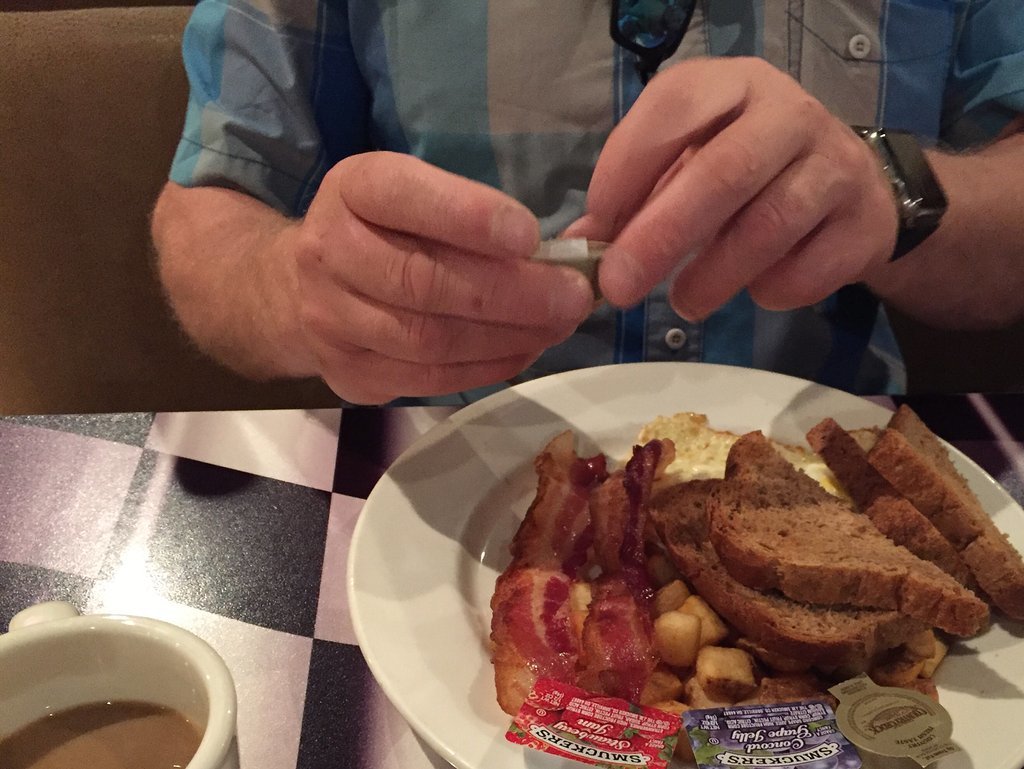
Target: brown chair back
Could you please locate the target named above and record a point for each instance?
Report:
(91, 106)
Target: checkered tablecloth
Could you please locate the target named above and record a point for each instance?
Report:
(236, 525)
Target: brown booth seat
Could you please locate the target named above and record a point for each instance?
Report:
(91, 104)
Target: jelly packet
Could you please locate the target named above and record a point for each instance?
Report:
(594, 729)
(801, 734)
(893, 723)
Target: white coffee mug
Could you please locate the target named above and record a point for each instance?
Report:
(54, 658)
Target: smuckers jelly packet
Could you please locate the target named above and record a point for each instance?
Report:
(594, 729)
(801, 734)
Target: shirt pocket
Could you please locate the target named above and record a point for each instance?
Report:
(875, 62)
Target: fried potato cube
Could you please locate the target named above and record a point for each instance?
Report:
(899, 671)
(920, 646)
(712, 629)
(675, 707)
(698, 697)
(670, 596)
(725, 672)
(677, 638)
(930, 664)
(660, 569)
(662, 686)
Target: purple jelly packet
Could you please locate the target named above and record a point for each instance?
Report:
(800, 734)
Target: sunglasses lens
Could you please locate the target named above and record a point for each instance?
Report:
(650, 23)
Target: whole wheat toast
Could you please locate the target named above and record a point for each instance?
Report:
(905, 525)
(892, 514)
(912, 458)
(821, 635)
(774, 528)
(848, 461)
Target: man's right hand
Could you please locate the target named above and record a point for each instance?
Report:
(412, 281)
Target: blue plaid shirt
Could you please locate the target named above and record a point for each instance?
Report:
(522, 95)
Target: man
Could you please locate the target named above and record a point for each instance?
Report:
(360, 185)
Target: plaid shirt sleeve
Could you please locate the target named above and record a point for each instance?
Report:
(261, 116)
(985, 90)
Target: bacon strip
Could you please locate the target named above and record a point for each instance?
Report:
(578, 504)
(531, 630)
(618, 650)
(556, 532)
(531, 633)
(641, 470)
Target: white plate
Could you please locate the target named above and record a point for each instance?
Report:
(434, 532)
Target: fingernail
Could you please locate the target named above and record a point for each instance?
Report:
(684, 311)
(684, 303)
(621, 278)
(691, 316)
(515, 230)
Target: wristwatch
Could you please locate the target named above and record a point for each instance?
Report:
(920, 201)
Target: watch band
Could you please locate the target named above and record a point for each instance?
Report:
(920, 201)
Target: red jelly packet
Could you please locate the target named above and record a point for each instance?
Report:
(594, 729)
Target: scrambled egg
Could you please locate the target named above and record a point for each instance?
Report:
(701, 451)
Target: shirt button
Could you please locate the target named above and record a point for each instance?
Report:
(675, 338)
(859, 46)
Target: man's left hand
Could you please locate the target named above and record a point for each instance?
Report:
(727, 174)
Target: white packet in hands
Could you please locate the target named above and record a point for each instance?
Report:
(579, 253)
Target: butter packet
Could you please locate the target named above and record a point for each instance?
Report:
(893, 723)
(579, 253)
(800, 734)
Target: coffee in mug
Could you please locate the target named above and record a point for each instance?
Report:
(113, 691)
(103, 735)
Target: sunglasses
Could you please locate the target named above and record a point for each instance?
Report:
(651, 29)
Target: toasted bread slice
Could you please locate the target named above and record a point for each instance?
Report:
(910, 457)
(774, 528)
(905, 525)
(846, 455)
(821, 635)
(848, 461)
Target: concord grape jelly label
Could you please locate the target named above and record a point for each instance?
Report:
(799, 734)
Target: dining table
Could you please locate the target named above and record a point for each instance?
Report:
(236, 525)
